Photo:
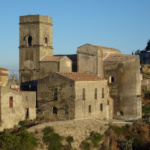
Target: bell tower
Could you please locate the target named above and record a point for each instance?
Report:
(35, 42)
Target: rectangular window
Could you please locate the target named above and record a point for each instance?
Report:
(10, 102)
(102, 92)
(55, 95)
(89, 108)
(83, 93)
(95, 93)
(101, 107)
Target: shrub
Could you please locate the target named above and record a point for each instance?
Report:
(22, 123)
(95, 138)
(92, 141)
(146, 110)
(127, 144)
(51, 139)
(147, 95)
(85, 145)
(22, 140)
(120, 130)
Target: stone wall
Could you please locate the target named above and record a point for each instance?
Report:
(16, 106)
(78, 129)
(100, 105)
(125, 88)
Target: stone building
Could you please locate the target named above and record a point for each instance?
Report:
(123, 75)
(74, 96)
(4, 74)
(37, 63)
(36, 58)
(15, 105)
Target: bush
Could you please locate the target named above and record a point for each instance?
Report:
(22, 123)
(85, 145)
(146, 110)
(95, 138)
(92, 141)
(120, 130)
(22, 140)
(51, 139)
(147, 95)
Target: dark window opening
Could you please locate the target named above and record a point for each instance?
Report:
(101, 107)
(29, 41)
(55, 110)
(27, 113)
(89, 108)
(112, 79)
(95, 93)
(83, 93)
(102, 92)
(11, 102)
(107, 102)
(46, 40)
(55, 95)
(121, 113)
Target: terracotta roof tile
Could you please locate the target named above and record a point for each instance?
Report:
(119, 57)
(52, 58)
(3, 69)
(76, 76)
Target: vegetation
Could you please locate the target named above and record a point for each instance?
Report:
(146, 109)
(22, 140)
(92, 141)
(147, 94)
(134, 137)
(52, 139)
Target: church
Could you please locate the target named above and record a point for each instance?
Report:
(102, 82)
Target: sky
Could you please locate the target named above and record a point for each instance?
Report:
(121, 24)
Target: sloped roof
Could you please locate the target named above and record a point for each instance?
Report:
(52, 58)
(3, 69)
(119, 57)
(107, 48)
(84, 76)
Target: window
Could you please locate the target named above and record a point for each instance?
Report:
(55, 95)
(89, 108)
(83, 93)
(101, 107)
(102, 92)
(107, 102)
(95, 93)
(29, 41)
(27, 113)
(45, 40)
(55, 110)
(111, 79)
(10, 102)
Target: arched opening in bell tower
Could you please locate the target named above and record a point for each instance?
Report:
(30, 40)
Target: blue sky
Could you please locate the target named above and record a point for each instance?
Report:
(122, 24)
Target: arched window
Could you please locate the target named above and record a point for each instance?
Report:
(30, 40)
(54, 110)
(46, 40)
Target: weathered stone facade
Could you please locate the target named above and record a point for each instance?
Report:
(16, 106)
(35, 45)
(38, 63)
(4, 75)
(85, 95)
(123, 75)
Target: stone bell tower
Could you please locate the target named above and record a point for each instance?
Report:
(35, 42)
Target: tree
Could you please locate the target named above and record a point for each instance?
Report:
(148, 46)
